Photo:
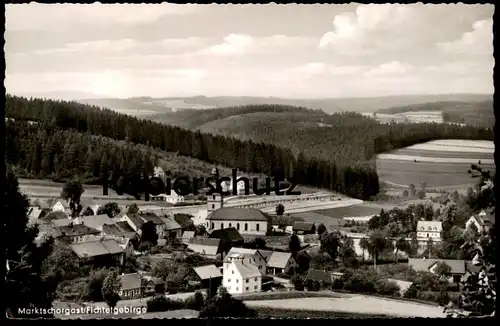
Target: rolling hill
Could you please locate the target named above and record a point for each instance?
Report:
(478, 113)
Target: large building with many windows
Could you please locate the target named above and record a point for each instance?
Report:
(244, 220)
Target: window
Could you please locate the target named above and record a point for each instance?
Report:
(232, 272)
(238, 226)
(247, 280)
(246, 226)
(213, 206)
(257, 226)
(212, 225)
(213, 197)
(229, 224)
(260, 267)
(236, 288)
(255, 279)
(255, 287)
(222, 225)
(237, 281)
(247, 288)
(229, 280)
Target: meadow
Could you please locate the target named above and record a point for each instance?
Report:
(441, 164)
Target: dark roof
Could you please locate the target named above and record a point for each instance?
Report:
(96, 248)
(317, 275)
(76, 230)
(136, 219)
(303, 226)
(171, 224)
(228, 234)
(56, 215)
(202, 241)
(153, 218)
(125, 226)
(183, 220)
(238, 214)
(288, 220)
(130, 281)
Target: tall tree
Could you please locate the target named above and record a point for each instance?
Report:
(72, 192)
(294, 244)
(280, 210)
(110, 288)
(24, 257)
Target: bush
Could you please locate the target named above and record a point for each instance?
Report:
(195, 302)
(385, 287)
(160, 303)
(337, 284)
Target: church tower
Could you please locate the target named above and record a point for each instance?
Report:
(214, 202)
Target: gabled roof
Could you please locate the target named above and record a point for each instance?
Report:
(183, 220)
(266, 254)
(130, 281)
(279, 259)
(303, 226)
(204, 246)
(74, 230)
(429, 226)
(151, 217)
(56, 215)
(35, 213)
(136, 220)
(238, 214)
(207, 272)
(95, 221)
(64, 202)
(96, 248)
(114, 229)
(228, 234)
(423, 265)
(247, 270)
(202, 241)
(317, 275)
(125, 226)
(171, 224)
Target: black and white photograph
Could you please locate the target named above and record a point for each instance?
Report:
(249, 161)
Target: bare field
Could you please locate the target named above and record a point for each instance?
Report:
(354, 304)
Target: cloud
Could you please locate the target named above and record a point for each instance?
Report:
(394, 68)
(242, 44)
(93, 46)
(55, 17)
(320, 68)
(478, 41)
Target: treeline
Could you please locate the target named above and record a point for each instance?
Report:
(245, 155)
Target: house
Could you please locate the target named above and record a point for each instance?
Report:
(483, 221)
(210, 248)
(131, 286)
(187, 236)
(302, 228)
(158, 222)
(318, 275)
(171, 229)
(281, 262)
(115, 231)
(126, 228)
(94, 221)
(75, 233)
(36, 213)
(184, 220)
(57, 215)
(429, 230)
(104, 250)
(241, 275)
(458, 267)
(205, 277)
(61, 205)
(134, 221)
(173, 198)
(255, 254)
(127, 247)
(229, 238)
(245, 220)
(201, 218)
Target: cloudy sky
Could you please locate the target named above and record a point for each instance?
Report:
(293, 51)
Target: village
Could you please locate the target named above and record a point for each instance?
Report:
(249, 247)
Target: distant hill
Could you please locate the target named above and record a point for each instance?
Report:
(474, 113)
(138, 106)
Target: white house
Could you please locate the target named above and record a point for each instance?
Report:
(201, 218)
(173, 198)
(241, 275)
(281, 262)
(255, 254)
(61, 205)
(483, 221)
(432, 230)
(245, 220)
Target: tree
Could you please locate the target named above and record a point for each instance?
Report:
(364, 244)
(280, 210)
(88, 212)
(413, 190)
(110, 209)
(401, 245)
(330, 243)
(442, 269)
(260, 243)
(405, 193)
(133, 209)
(62, 264)
(72, 192)
(294, 244)
(110, 287)
(149, 233)
(347, 254)
(321, 229)
(421, 194)
(377, 243)
(195, 302)
(224, 305)
(93, 288)
(24, 279)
